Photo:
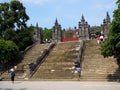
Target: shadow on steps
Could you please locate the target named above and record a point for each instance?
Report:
(114, 77)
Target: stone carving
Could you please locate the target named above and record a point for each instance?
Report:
(84, 29)
(57, 34)
(37, 34)
(105, 25)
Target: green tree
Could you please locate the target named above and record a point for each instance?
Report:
(13, 26)
(12, 16)
(47, 33)
(112, 46)
(98, 29)
(8, 51)
(11, 35)
(19, 14)
(24, 38)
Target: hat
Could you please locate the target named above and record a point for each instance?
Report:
(12, 69)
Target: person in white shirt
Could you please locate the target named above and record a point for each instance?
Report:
(101, 38)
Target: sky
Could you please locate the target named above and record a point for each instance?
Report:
(67, 12)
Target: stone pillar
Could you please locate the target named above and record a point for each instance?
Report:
(105, 25)
(84, 29)
(57, 34)
(37, 34)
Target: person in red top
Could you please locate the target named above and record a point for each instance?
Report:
(98, 39)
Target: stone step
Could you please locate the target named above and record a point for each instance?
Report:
(31, 56)
(60, 62)
(6, 76)
(99, 77)
(54, 76)
(34, 53)
(95, 66)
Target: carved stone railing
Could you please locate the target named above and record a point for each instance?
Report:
(34, 66)
(80, 57)
(22, 53)
(81, 52)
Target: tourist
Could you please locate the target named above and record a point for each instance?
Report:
(46, 40)
(12, 75)
(15, 68)
(101, 38)
(98, 39)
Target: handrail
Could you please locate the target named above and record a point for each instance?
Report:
(41, 59)
(80, 57)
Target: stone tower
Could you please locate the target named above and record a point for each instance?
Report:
(37, 34)
(84, 29)
(57, 33)
(108, 19)
(105, 25)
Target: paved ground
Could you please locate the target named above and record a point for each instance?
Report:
(58, 85)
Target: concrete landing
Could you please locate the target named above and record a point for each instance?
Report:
(58, 85)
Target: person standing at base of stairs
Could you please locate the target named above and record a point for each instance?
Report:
(78, 69)
(12, 75)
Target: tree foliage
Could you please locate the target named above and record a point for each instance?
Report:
(12, 16)
(8, 50)
(22, 38)
(13, 26)
(112, 46)
(13, 30)
(47, 33)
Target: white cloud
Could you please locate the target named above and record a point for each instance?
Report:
(36, 1)
(111, 5)
(106, 5)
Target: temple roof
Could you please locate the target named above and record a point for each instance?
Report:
(83, 18)
(56, 22)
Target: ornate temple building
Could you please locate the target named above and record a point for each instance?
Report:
(83, 32)
(84, 29)
(105, 25)
(57, 33)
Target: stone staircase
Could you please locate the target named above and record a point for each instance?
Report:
(30, 57)
(95, 67)
(34, 53)
(60, 64)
